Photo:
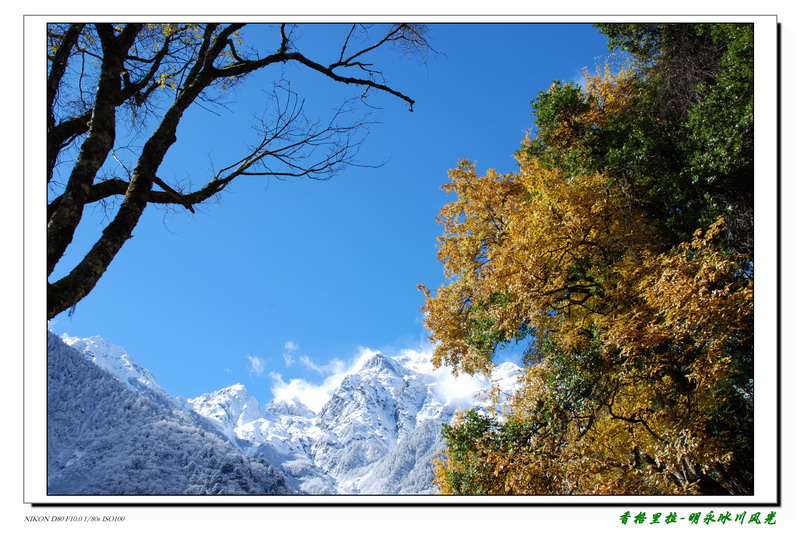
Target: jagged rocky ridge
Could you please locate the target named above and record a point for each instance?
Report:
(112, 436)
(377, 434)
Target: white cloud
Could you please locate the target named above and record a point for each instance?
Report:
(579, 78)
(288, 357)
(257, 365)
(458, 390)
(461, 390)
(333, 367)
(312, 394)
(309, 394)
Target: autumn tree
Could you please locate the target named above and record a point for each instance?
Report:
(110, 84)
(678, 126)
(638, 374)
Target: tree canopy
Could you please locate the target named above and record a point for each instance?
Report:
(108, 84)
(621, 255)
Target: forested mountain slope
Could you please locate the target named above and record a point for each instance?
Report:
(106, 438)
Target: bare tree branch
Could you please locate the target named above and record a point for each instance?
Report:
(95, 148)
(188, 62)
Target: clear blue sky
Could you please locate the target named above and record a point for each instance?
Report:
(319, 269)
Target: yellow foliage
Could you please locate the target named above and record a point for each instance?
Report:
(644, 342)
(638, 377)
(609, 95)
(606, 94)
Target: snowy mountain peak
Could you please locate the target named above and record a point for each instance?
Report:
(381, 362)
(105, 437)
(289, 408)
(237, 390)
(415, 360)
(377, 433)
(116, 361)
(229, 408)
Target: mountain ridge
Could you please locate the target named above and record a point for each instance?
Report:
(107, 435)
(378, 433)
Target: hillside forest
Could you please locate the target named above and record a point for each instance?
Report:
(620, 256)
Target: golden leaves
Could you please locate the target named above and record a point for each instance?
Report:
(542, 241)
(608, 95)
(638, 378)
(576, 262)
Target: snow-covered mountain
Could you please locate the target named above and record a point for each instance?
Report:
(116, 361)
(107, 435)
(377, 434)
(229, 408)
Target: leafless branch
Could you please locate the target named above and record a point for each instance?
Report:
(129, 65)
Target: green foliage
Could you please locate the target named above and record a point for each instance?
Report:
(684, 138)
(464, 442)
(721, 125)
(641, 40)
(574, 378)
(483, 332)
(471, 441)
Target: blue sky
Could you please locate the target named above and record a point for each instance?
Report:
(292, 278)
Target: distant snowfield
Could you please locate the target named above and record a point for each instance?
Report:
(373, 427)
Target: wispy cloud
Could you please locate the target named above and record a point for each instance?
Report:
(449, 389)
(288, 357)
(331, 368)
(257, 365)
(315, 394)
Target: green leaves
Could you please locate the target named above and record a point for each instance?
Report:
(472, 465)
(721, 125)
